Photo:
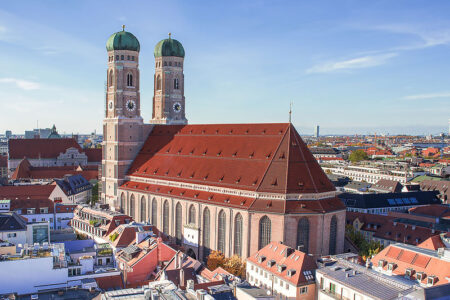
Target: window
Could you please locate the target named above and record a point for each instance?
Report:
(122, 57)
(143, 210)
(117, 57)
(333, 233)
(178, 223)
(420, 276)
(206, 231)
(122, 202)
(303, 290)
(221, 232)
(431, 280)
(238, 234)
(132, 58)
(332, 288)
(192, 214)
(154, 211)
(12, 235)
(158, 82)
(175, 84)
(132, 206)
(265, 231)
(128, 57)
(303, 235)
(129, 79)
(166, 217)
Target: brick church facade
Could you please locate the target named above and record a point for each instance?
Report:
(227, 187)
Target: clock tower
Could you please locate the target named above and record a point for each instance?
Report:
(123, 125)
(168, 96)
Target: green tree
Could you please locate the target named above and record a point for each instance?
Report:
(358, 155)
(366, 248)
(94, 196)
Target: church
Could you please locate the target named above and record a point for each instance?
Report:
(227, 187)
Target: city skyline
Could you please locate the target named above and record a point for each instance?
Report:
(379, 63)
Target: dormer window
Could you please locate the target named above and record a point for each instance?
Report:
(270, 263)
(408, 273)
(431, 280)
(381, 263)
(291, 272)
(420, 276)
(281, 268)
(261, 258)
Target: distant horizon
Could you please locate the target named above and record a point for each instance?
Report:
(352, 68)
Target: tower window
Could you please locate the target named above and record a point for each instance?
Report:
(122, 57)
(158, 82)
(117, 57)
(170, 63)
(128, 57)
(132, 58)
(129, 79)
(175, 83)
(111, 83)
(165, 63)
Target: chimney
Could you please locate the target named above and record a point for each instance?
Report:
(181, 277)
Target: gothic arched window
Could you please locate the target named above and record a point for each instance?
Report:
(238, 234)
(122, 202)
(192, 214)
(175, 83)
(265, 231)
(206, 231)
(111, 78)
(129, 79)
(333, 232)
(154, 212)
(221, 230)
(303, 235)
(158, 82)
(132, 205)
(166, 217)
(143, 210)
(178, 223)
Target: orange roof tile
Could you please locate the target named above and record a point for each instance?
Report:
(40, 148)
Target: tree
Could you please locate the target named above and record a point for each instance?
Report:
(215, 259)
(235, 265)
(358, 155)
(366, 248)
(94, 196)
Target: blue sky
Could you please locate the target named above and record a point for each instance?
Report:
(348, 66)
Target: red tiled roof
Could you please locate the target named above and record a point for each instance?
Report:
(404, 258)
(26, 191)
(291, 206)
(432, 243)
(110, 282)
(93, 154)
(433, 210)
(43, 148)
(37, 204)
(296, 260)
(258, 157)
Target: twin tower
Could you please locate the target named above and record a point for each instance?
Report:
(124, 131)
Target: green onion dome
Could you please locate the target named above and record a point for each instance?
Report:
(123, 40)
(169, 47)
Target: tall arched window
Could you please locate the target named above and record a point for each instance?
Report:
(265, 231)
(122, 202)
(175, 84)
(154, 212)
(158, 82)
(178, 223)
(166, 217)
(303, 235)
(143, 210)
(111, 78)
(192, 214)
(221, 230)
(132, 205)
(129, 79)
(238, 234)
(206, 231)
(333, 232)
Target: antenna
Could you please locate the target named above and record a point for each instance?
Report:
(290, 112)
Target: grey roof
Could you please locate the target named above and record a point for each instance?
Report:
(389, 199)
(439, 292)
(11, 221)
(366, 282)
(253, 291)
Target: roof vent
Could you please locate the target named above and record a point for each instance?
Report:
(234, 154)
(206, 177)
(192, 175)
(269, 204)
(251, 154)
(261, 258)
(221, 178)
(192, 151)
(156, 171)
(275, 182)
(242, 202)
(218, 153)
(282, 156)
(238, 180)
(195, 195)
(179, 151)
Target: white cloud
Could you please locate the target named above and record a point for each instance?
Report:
(427, 96)
(21, 84)
(354, 63)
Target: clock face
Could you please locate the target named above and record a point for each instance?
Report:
(110, 105)
(131, 105)
(177, 107)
